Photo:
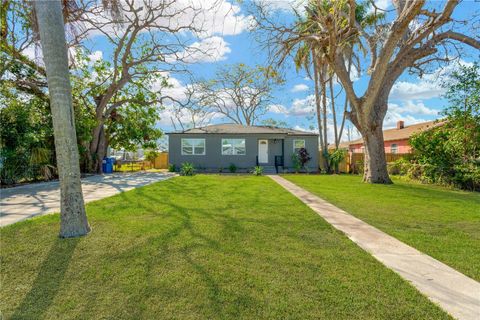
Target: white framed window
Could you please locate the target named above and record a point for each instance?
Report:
(394, 148)
(233, 147)
(297, 145)
(193, 147)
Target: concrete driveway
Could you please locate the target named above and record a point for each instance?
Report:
(35, 199)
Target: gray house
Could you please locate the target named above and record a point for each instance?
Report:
(218, 146)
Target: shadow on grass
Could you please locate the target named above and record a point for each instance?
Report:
(48, 281)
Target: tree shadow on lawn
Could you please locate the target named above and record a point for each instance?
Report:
(48, 281)
(160, 246)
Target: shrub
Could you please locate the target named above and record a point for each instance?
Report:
(257, 171)
(232, 167)
(450, 153)
(297, 165)
(151, 155)
(303, 157)
(358, 167)
(399, 167)
(172, 168)
(187, 169)
(335, 158)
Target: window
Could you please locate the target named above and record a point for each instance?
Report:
(235, 147)
(394, 148)
(297, 145)
(193, 147)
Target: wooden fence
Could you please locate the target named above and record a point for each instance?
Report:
(161, 161)
(353, 162)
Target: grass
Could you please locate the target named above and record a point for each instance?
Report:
(440, 222)
(202, 247)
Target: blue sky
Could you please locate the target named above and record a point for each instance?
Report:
(412, 99)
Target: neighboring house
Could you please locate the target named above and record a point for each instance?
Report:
(216, 147)
(396, 140)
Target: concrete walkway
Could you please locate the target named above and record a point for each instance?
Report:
(454, 292)
(35, 199)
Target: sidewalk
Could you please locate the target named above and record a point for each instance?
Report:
(454, 292)
(35, 199)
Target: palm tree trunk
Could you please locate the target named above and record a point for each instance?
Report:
(73, 219)
(345, 107)
(334, 112)
(324, 116)
(318, 102)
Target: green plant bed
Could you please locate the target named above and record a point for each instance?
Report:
(201, 247)
(440, 222)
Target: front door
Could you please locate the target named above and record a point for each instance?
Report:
(262, 151)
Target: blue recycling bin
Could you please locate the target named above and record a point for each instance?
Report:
(107, 165)
(112, 162)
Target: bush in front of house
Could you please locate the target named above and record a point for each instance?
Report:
(257, 171)
(304, 157)
(187, 169)
(300, 159)
(172, 168)
(232, 167)
(297, 165)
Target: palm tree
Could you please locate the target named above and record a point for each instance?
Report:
(308, 55)
(73, 218)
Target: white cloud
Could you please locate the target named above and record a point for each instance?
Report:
(176, 90)
(424, 89)
(96, 56)
(383, 4)
(428, 87)
(414, 108)
(285, 5)
(277, 108)
(303, 107)
(393, 117)
(211, 49)
(208, 17)
(299, 88)
(219, 17)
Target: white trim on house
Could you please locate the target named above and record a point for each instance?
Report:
(295, 147)
(194, 147)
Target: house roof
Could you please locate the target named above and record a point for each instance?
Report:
(233, 128)
(401, 134)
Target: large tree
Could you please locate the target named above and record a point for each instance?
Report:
(52, 36)
(417, 34)
(239, 92)
(150, 42)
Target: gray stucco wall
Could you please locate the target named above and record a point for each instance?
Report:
(213, 158)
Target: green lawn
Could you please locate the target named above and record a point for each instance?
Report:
(203, 247)
(440, 222)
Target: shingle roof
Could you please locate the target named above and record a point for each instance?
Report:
(233, 128)
(404, 133)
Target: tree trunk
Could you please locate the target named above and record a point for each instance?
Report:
(334, 113)
(323, 85)
(73, 219)
(318, 102)
(97, 145)
(370, 125)
(345, 108)
(375, 164)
